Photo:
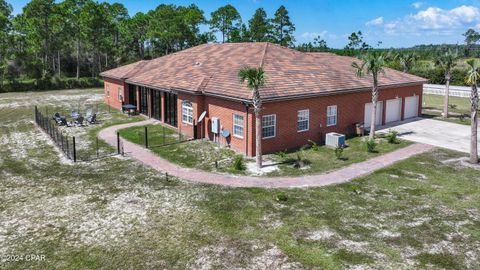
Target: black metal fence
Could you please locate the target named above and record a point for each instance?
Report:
(159, 135)
(69, 145)
(66, 144)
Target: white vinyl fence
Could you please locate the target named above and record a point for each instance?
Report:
(439, 89)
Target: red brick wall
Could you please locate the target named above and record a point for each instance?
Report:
(114, 86)
(350, 110)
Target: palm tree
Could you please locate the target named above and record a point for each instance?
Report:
(372, 64)
(473, 77)
(407, 60)
(447, 62)
(255, 78)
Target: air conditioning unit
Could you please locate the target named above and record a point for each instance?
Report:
(335, 140)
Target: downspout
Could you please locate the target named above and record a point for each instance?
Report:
(246, 131)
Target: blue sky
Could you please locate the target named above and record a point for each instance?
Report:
(398, 23)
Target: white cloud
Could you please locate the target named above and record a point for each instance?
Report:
(312, 35)
(435, 21)
(377, 21)
(417, 5)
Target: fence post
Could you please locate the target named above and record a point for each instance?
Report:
(74, 150)
(146, 137)
(36, 114)
(68, 149)
(163, 130)
(63, 149)
(118, 142)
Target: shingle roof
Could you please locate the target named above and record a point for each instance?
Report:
(213, 69)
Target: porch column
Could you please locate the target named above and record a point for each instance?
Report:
(137, 93)
(162, 106)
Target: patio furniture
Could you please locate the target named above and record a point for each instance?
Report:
(63, 122)
(57, 118)
(129, 108)
(79, 121)
(92, 119)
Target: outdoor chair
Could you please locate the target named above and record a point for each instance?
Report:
(79, 121)
(57, 118)
(92, 119)
(63, 122)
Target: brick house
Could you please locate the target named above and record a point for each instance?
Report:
(306, 94)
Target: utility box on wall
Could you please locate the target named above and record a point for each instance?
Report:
(215, 125)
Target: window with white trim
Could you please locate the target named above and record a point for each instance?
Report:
(303, 120)
(269, 123)
(187, 112)
(238, 125)
(331, 115)
(120, 97)
(107, 90)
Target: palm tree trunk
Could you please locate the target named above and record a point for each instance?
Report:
(447, 95)
(258, 138)
(474, 125)
(374, 108)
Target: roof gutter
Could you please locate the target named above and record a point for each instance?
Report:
(275, 99)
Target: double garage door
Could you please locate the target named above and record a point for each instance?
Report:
(393, 110)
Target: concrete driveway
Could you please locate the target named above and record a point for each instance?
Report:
(433, 132)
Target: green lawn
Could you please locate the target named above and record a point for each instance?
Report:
(457, 104)
(421, 213)
(459, 109)
(209, 156)
(203, 155)
(324, 159)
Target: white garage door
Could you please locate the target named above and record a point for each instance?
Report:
(411, 107)
(368, 114)
(394, 110)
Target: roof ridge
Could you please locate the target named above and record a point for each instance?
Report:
(263, 54)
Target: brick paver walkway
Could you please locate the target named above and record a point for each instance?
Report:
(339, 176)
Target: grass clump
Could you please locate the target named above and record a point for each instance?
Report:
(281, 196)
(371, 145)
(239, 163)
(392, 136)
(339, 152)
(314, 146)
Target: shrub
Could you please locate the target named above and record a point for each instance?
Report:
(281, 196)
(281, 154)
(315, 147)
(339, 152)
(238, 163)
(392, 136)
(371, 144)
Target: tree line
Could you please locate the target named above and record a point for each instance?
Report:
(80, 38)
(53, 44)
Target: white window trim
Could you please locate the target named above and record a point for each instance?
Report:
(336, 115)
(119, 94)
(308, 120)
(186, 121)
(233, 125)
(274, 126)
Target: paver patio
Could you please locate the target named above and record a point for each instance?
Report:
(345, 174)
